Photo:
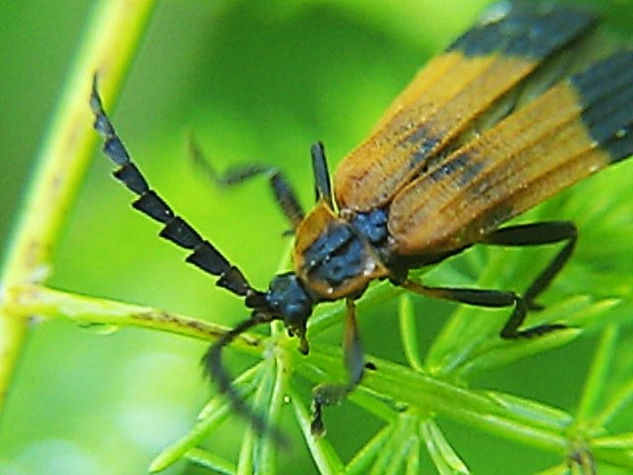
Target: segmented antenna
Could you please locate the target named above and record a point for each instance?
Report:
(203, 255)
(175, 229)
(321, 174)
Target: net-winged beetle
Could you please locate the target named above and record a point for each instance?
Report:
(466, 147)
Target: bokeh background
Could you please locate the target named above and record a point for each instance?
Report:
(255, 81)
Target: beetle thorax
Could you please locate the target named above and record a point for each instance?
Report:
(332, 258)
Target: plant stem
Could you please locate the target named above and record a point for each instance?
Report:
(107, 47)
(91, 312)
(597, 377)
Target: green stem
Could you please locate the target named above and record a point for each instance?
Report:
(596, 380)
(514, 418)
(91, 312)
(216, 413)
(408, 332)
(110, 41)
(444, 457)
(622, 397)
(368, 453)
(323, 454)
(212, 461)
(268, 462)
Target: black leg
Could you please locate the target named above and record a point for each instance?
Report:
(488, 298)
(285, 195)
(538, 234)
(329, 394)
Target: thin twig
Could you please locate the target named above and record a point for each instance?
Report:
(108, 46)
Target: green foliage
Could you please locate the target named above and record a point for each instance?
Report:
(263, 81)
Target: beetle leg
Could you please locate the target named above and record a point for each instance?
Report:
(330, 394)
(284, 193)
(537, 234)
(488, 298)
(212, 361)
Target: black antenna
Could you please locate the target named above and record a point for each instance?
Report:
(321, 174)
(175, 229)
(203, 255)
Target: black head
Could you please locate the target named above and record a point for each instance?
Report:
(288, 300)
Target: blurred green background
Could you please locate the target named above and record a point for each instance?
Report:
(255, 81)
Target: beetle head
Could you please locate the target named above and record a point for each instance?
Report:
(288, 299)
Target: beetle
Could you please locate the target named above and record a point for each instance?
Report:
(510, 114)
